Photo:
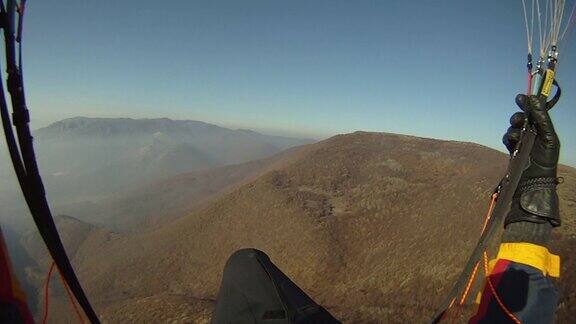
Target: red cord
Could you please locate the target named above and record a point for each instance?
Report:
(495, 293)
(47, 293)
(72, 300)
(68, 293)
(20, 8)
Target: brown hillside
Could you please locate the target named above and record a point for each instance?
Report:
(373, 226)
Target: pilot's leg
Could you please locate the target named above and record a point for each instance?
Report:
(254, 290)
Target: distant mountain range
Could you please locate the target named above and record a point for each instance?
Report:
(374, 226)
(92, 157)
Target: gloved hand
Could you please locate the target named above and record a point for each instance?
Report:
(544, 155)
(535, 208)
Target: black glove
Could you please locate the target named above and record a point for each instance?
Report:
(535, 201)
(544, 155)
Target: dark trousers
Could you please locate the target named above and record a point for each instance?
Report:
(254, 290)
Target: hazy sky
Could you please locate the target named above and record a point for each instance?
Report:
(443, 69)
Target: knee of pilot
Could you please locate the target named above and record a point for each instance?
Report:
(244, 257)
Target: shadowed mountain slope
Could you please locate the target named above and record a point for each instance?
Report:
(169, 198)
(31, 259)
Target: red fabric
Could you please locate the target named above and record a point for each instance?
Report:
(9, 284)
(529, 92)
(6, 292)
(495, 277)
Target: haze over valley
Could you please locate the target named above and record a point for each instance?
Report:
(84, 160)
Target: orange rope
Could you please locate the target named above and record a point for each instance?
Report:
(446, 312)
(475, 271)
(473, 275)
(495, 294)
(72, 299)
(490, 210)
(47, 293)
(469, 284)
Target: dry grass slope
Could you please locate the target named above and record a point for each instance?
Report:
(373, 226)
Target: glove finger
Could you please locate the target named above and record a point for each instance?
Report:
(511, 138)
(536, 108)
(517, 120)
(522, 101)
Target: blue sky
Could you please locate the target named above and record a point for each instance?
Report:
(442, 69)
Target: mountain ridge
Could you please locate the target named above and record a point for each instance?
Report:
(84, 158)
(339, 217)
(91, 124)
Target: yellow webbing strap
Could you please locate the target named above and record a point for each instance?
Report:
(478, 298)
(530, 254)
(548, 81)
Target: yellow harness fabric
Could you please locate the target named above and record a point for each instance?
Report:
(530, 254)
